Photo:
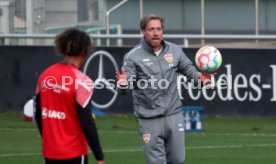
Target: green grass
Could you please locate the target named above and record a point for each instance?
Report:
(223, 141)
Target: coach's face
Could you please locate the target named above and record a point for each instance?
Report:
(153, 34)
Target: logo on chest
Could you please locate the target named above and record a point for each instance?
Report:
(169, 59)
(147, 62)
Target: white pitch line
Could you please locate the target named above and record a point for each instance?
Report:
(139, 149)
(136, 132)
(239, 134)
(102, 131)
(122, 150)
(119, 131)
(18, 129)
(19, 154)
(231, 146)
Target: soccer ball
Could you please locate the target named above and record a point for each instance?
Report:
(208, 59)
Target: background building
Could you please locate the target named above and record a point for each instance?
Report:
(182, 16)
(200, 17)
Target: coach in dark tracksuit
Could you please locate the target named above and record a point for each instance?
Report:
(150, 70)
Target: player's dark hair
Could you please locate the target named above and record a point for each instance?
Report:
(145, 20)
(73, 42)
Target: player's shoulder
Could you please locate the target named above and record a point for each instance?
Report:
(173, 45)
(176, 49)
(83, 83)
(134, 51)
(81, 76)
(49, 70)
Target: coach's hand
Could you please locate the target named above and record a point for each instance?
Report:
(206, 77)
(101, 162)
(121, 77)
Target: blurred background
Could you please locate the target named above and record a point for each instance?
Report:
(238, 21)
(243, 31)
(236, 124)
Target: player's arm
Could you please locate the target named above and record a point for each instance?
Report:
(90, 130)
(87, 123)
(83, 99)
(37, 115)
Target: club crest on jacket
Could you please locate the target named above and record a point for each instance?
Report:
(169, 57)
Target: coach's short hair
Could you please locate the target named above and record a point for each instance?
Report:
(73, 42)
(145, 20)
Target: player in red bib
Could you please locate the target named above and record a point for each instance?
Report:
(63, 108)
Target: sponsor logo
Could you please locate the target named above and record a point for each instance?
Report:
(53, 114)
(232, 87)
(146, 60)
(101, 80)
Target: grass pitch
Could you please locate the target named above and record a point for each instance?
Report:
(223, 141)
